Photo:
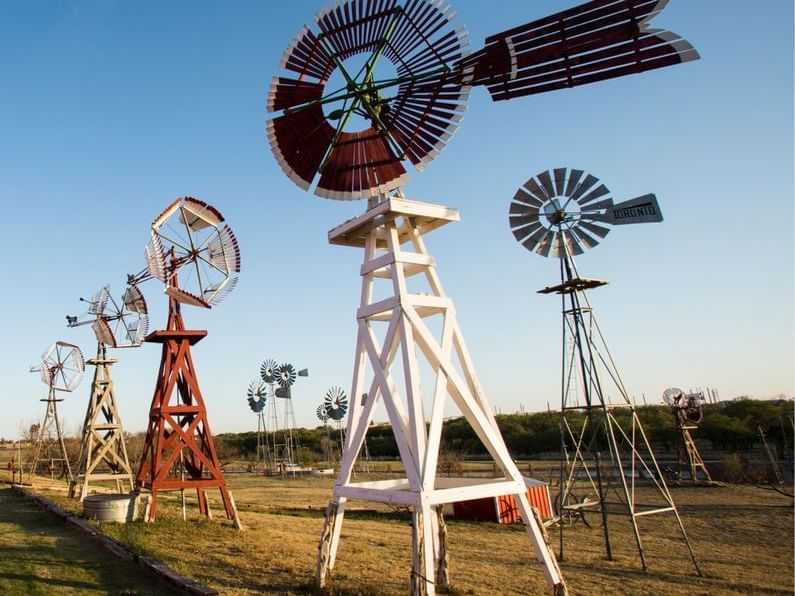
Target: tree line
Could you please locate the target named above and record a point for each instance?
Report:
(729, 426)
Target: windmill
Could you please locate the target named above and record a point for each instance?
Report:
(336, 405)
(257, 395)
(196, 256)
(284, 448)
(103, 452)
(560, 214)
(688, 411)
(410, 114)
(61, 368)
(322, 415)
(288, 450)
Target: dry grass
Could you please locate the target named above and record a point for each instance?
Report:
(743, 537)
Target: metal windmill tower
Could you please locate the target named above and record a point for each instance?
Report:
(189, 242)
(61, 369)
(410, 115)
(688, 411)
(257, 399)
(560, 214)
(328, 449)
(287, 449)
(103, 452)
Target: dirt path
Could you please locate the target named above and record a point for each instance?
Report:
(40, 554)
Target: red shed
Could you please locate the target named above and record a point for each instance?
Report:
(503, 509)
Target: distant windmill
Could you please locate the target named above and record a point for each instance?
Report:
(103, 451)
(257, 395)
(61, 368)
(561, 213)
(688, 411)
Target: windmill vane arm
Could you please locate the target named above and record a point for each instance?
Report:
(595, 41)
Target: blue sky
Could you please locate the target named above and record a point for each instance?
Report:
(110, 110)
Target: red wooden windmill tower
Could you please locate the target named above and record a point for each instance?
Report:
(179, 453)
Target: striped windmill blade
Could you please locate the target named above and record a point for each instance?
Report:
(524, 221)
(97, 303)
(134, 300)
(598, 40)
(322, 413)
(104, 333)
(410, 117)
(223, 251)
(156, 258)
(214, 294)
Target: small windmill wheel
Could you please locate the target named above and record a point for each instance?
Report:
(566, 211)
(190, 237)
(257, 396)
(121, 324)
(322, 413)
(268, 371)
(336, 403)
(286, 375)
(61, 366)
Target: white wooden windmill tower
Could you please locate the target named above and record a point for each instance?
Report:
(410, 117)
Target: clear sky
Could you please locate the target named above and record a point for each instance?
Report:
(110, 110)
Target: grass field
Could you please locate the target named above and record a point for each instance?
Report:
(39, 554)
(743, 537)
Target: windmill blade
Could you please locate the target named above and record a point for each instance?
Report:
(103, 333)
(597, 193)
(224, 251)
(574, 178)
(300, 140)
(583, 187)
(545, 243)
(593, 228)
(595, 41)
(134, 300)
(533, 239)
(584, 238)
(546, 183)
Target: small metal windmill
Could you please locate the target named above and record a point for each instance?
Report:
(103, 451)
(257, 395)
(322, 415)
(336, 403)
(350, 140)
(61, 368)
(195, 254)
(688, 411)
(561, 213)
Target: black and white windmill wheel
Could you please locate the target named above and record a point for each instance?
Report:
(568, 211)
(336, 403)
(286, 375)
(268, 371)
(322, 413)
(257, 396)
